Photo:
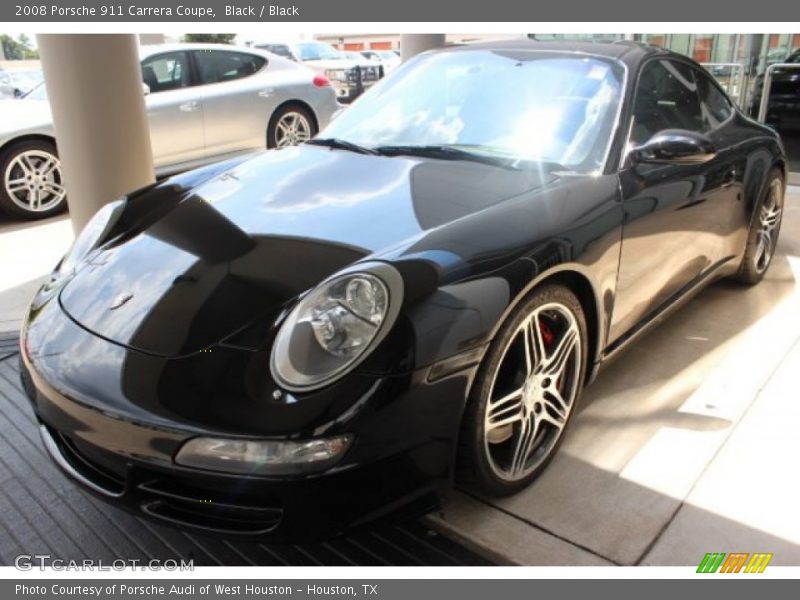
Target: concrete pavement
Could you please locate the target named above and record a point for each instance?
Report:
(28, 252)
(685, 445)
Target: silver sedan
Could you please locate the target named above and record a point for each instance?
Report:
(205, 102)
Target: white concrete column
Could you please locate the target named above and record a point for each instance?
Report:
(94, 84)
(412, 44)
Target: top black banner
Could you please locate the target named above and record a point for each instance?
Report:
(441, 11)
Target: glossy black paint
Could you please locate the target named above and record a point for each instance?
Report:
(213, 258)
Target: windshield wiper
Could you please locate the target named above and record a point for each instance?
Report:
(447, 152)
(340, 144)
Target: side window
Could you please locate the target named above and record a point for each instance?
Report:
(666, 98)
(165, 72)
(715, 106)
(5, 79)
(216, 66)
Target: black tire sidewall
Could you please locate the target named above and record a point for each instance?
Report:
(6, 203)
(473, 468)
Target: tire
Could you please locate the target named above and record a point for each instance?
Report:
(31, 180)
(762, 239)
(299, 124)
(507, 442)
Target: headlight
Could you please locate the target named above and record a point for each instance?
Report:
(336, 74)
(335, 326)
(263, 457)
(93, 233)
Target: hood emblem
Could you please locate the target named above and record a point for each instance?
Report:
(119, 301)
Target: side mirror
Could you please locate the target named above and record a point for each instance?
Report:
(145, 89)
(675, 147)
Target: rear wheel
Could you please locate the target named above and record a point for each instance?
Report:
(762, 239)
(289, 126)
(32, 180)
(525, 393)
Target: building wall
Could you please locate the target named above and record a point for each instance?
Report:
(391, 41)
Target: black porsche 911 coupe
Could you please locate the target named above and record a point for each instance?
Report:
(295, 344)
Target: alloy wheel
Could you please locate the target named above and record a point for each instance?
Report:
(292, 128)
(769, 219)
(532, 392)
(34, 182)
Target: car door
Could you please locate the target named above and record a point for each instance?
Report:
(677, 217)
(237, 98)
(174, 109)
(6, 88)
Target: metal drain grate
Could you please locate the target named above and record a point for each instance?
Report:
(41, 512)
(9, 345)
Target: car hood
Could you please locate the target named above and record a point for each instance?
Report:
(16, 115)
(247, 242)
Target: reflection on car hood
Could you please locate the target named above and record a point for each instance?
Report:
(252, 239)
(16, 115)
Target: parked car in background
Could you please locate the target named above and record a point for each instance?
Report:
(362, 61)
(350, 77)
(783, 107)
(388, 58)
(17, 83)
(205, 102)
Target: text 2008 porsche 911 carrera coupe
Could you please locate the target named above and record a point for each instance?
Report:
(295, 344)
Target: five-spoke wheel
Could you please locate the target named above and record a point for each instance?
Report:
(290, 126)
(32, 180)
(762, 239)
(525, 393)
(769, 218)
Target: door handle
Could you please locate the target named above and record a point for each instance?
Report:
(190, 106)
(266, 93)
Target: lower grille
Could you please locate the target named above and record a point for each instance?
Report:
(188, 505)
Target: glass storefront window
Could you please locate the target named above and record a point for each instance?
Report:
(721, 54)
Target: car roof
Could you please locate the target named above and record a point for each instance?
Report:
(626, 51)
(150, 49)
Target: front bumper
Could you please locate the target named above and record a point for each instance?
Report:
(130, 465)
(347, 91)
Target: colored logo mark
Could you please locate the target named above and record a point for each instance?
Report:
(735, 562)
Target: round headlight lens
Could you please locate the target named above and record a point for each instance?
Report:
(333, 327)
(94, 231)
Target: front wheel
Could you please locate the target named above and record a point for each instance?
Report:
(32, 180)
(289, 126)
(525, 393)
(762, 239)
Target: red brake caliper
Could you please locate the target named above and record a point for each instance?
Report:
(548, 337)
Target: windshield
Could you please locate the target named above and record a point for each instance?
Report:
(26, 79)
(37, 93)
(530, 106)
(317, 51)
